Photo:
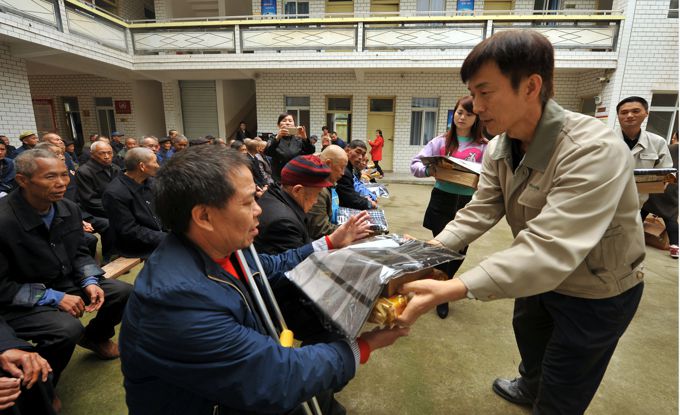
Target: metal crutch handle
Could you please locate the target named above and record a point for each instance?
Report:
(285, 332)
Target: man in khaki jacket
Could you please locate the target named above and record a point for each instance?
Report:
(575, 266)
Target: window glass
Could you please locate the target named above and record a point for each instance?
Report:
(381, 105)
(339, 104)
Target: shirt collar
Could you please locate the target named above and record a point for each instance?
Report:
(543, 143)
(26, 214)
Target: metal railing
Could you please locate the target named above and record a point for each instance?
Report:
(590, 30)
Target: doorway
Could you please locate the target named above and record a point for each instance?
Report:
(381, 117)
(74, 126)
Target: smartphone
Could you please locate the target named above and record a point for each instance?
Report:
(292, 130)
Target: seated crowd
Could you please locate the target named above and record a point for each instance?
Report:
(186, 213)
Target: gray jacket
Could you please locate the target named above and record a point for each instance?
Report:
(573, 213)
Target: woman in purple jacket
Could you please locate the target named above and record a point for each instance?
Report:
(464, 141)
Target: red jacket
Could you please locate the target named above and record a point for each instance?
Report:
(376, 148)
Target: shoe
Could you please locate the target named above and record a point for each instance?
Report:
(56, 404)
(105, 350)
(673, 250)
(511, 391)
(443, 310)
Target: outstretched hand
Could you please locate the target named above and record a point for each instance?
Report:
(427, 294)
(357, 227)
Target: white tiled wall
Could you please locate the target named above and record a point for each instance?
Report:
(16, 112)
(570, 88)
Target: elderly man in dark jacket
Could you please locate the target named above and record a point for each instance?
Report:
(191, 340)
(92, 179)
(349, 197)
(282, 224)
(128, 202)
(47, 278)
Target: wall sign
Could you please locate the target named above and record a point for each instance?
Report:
(43, 109)
(268, 7)
(122, 107)
(465, 5)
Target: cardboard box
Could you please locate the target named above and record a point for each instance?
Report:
(450, 169)
(655, 233)
(653, 180)
(457, 176)
(651, 187)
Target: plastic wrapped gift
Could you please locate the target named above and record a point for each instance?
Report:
(345, 284)
(376, 218)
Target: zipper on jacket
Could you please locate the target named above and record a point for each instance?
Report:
(232, 285)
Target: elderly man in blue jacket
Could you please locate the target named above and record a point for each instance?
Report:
(191, 342)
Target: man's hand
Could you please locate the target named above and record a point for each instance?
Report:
(9, 392)
(357, 227)
(379, 338)
(429, 293)
(25, 365)
(435, 242)
(374, 204)
(87, 227)
(96, 295)
(73, 305)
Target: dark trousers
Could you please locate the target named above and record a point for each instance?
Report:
(566, 344)
(440, 211)
(102, 227)
(34, 401)
(671, 226)
(55, 333)
(377, 167)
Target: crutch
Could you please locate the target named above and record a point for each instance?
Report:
(286, 336)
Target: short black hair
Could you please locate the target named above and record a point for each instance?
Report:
(199, 175)
(641, 100)
(357, 143)
(518, 54)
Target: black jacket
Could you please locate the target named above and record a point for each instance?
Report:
(92, 179)
(9, 339)
(30, 253)
(348, 196)
(286, 149)
(282, 223)
(129, 207)
(255, 169)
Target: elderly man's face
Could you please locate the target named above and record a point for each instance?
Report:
(48, 182)
(337, 169)
(103, 154)
(30, 141)
(355, 155)
(151, 166)
(130, 143)
(181, 145)
(3, 151)
(152, 145)
(235, 224)
(55, 140)
(4, 139)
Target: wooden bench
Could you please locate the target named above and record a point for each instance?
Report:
(120, 266)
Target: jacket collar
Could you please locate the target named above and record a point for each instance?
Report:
(26, 214)
(543, 143)
(280, 194)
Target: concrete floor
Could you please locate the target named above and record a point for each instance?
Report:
(447, 366)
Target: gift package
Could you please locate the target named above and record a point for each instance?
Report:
(345, 284)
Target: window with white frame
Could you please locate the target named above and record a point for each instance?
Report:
(663, 114)
(300, 8)
(339, 116)
(673, 9)
(298, 107)
(423, 120)
(106, 119)
(430, 7)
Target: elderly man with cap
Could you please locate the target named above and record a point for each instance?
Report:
(166, 151)
(282, 224)
(128, 202)
(28, 141)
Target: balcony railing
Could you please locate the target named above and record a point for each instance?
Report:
(595, 31)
